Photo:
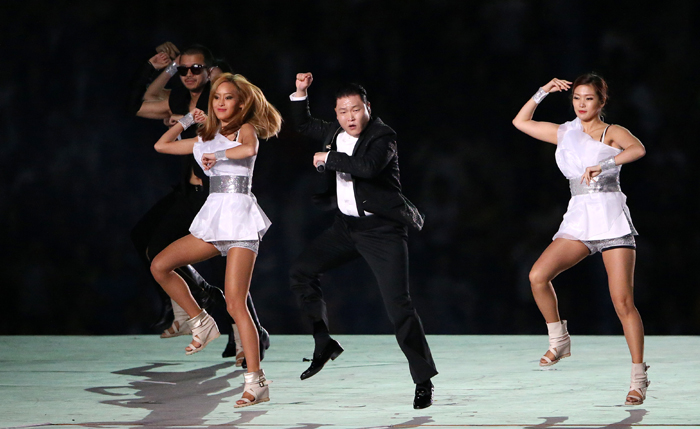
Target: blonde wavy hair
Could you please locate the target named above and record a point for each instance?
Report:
(256, 111)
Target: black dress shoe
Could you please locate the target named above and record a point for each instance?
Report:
(423, 397)
(331, 351)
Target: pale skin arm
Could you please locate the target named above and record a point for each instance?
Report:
(545, 131)
(632, 150)
(248, 147)
(168, 142)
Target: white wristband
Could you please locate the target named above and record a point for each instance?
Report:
(540, 95)
(187, 121)
(220, 155)
(171, 69)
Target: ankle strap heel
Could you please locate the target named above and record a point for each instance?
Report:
(638, 384)
(559, 343)
(204, 331)
(257, 386)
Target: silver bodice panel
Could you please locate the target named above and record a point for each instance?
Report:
(606, 183)
(229, 185)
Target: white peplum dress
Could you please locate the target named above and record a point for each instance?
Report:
(598, 211)
(231, 212)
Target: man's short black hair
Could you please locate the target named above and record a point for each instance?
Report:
(352, 89)
(200, 50)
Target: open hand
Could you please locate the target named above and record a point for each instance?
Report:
(557, 85)
(590, 173)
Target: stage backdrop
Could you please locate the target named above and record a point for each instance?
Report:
(79, 169)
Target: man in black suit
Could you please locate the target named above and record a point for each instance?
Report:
(372, 222)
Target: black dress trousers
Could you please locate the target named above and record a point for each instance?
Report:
(382, 243)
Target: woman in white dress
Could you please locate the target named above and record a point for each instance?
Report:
(230, 223)
(589, 153)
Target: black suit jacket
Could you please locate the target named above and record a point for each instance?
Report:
(374, 167)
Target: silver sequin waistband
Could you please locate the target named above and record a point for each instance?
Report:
(607, 183)
(229, 184)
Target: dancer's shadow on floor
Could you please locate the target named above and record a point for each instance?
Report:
(635, 418)
(175, 398)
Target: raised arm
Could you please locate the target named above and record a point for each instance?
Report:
(304, 123)
(545, 131)
(168, 142)
(155, 99)
(619, 137)
(155, 103)
(248, 139)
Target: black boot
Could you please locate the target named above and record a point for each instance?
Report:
(166, 313)
(230, 350)
(264, 341)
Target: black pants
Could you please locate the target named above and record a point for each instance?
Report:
(169, 220)
(383, 245)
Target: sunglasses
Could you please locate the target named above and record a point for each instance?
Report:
(194, 68)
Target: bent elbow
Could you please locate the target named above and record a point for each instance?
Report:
(159, 147)
(642, 151)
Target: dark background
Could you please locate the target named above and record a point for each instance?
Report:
(79, 170)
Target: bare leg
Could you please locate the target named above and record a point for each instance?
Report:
(187, 250)
(239, 270)
(559, 256)
(619, 263)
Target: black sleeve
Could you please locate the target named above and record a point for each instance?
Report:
(379, 152)
(139, 84)
(306, 124)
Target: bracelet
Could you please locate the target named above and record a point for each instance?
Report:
(171, 69)
(187, 121)
(540, 95)
(220, 155)
(607, 164)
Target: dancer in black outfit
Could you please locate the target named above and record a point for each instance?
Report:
(362, 164)
(171, 217)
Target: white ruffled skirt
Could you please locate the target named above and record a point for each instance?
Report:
(230, 216)
(597, 216)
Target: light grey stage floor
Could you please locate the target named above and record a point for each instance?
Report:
(484, 381)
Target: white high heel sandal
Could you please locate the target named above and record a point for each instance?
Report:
(179, 326)
(559, 343)
(257, 386)
(639, 383)
(204, 331)
(239, 346)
